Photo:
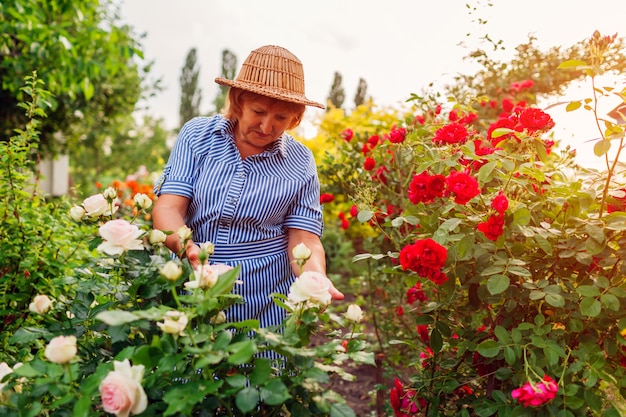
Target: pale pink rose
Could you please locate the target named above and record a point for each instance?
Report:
(5, 370)
(174, 322)
(311, 287)
(97, 205)
(119, 236)
(207, 275)
(61, 349)
(121, 390)
(41, 304)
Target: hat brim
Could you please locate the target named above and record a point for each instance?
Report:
(273, 92)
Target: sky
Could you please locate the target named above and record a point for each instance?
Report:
(398, 47)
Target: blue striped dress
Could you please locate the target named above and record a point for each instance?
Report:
(245, 207)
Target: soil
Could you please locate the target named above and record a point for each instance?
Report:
(361, 394)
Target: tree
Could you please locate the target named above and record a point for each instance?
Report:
(229, 69)
(361, 93)
(83, 56)
(190, 93)
(337, 94)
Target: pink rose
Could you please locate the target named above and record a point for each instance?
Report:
(119, 236)
(61, 349)
(41, 304)
(97, 205)
(121, 390)
(311, 287)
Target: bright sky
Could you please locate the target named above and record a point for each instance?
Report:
(398, 46)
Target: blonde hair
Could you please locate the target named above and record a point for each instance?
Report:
(237, 96)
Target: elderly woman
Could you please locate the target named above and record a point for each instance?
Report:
(240, 182)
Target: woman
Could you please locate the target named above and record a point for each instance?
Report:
(240, 182)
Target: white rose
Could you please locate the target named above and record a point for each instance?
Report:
(157, 237)
(121, 390)
(301, 252)
(96, 206)
(119, 236)
(208, 247)
(354, 313)
(110, 194)
(61, 349)
(174, 322)
(219, 318)
(171, 271)
(41, 304)
(184, 233)
(142, 201)
(312, 287)
(77, 213)
(5, 370)
(207, 275)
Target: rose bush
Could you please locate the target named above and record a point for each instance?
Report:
(130, 331)
(493, 270)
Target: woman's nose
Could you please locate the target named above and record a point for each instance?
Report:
(267, 125)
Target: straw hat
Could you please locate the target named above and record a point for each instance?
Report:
(274, 72)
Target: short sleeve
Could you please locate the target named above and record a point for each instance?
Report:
(306, 212)
(178, 174)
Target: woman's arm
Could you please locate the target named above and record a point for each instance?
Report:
(168, 214)
(317, 261)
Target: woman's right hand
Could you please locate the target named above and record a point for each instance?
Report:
(192, 253)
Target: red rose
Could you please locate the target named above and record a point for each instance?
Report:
(424, 188)
(463, 186)
(397, 135)
(500, 203)
(423, 253)
(347, 134)
(415, 293)
(493, 227)
(451, 134)
(533, 119)
(369, 164)
(326, 198)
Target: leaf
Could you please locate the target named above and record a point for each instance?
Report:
(572, 64)
(364, 216)
(521, 216)
(489, 348)
(275, 392)
(573, 105)
(590, 307)
(497, 284)
(610, 301)
(543, 244)
(602, 147)
(117, 317)
(588, 291)
(436, 341)
(555, 300)
(485, 171)
(450, 224)
(247, 399)
(519, 271)
(501, 131)
(491, 270)
(241, 352)
(340, 410)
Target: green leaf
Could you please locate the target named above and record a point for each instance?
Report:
(484, 173)
(340, 410)
(519, 271)
(436, 341)
(543, 243)
(82, 406)
(25, 335)
(492, 269)
(450, 224)
(509, 355)
(489, 348)
(275, 392)
(247, 399)
(117, 317)
(610, 301)
(262, 371)
(364, 216)
(555, 300)
(241, 352)
(588, 291)
(590, 307)
(497, 284)
(521, 216)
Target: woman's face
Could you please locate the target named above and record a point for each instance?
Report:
(259, 125)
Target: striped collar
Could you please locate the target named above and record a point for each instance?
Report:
(226, 129)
